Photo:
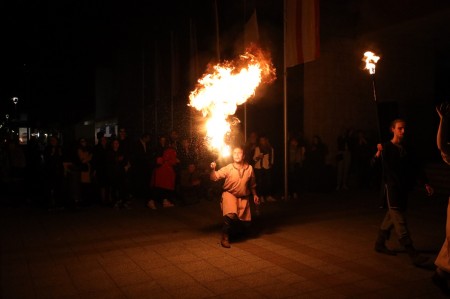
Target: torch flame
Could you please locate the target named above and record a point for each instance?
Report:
(228, 85)
(371, 60)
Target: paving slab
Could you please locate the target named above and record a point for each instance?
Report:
(318, 246)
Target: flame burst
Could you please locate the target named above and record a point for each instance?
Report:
(371, 60)
(229, 84)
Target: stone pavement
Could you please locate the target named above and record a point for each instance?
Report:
(319, 246)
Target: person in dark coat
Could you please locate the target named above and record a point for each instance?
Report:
(401, 171)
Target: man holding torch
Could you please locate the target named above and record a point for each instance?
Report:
(238, 188)
(400, 173)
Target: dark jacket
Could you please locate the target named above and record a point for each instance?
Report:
(401, 172)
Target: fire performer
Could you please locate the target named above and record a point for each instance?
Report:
(400, 172)
(442, 262)
(238, 188)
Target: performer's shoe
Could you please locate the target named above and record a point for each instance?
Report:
(167, 203)
(151, 204)
(381, 248)
(417, 259)
(271, 199)
(441, 281)
(420, 261)
(225, 242)
(380, 243)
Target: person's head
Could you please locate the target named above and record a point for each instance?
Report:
(174, 135)
(115, 144)
(145, 137)
(238, 154)
(53, 140)
(191, 167)
(253, 138)
(293, 141)
(82, 142)
(100, 135)
(398, 128)
(185, 142)
(122, 133)
(263, 140)
(162, 140)
(170, 156)
(103, 140)
(316, 140)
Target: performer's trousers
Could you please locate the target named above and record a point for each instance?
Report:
(395, 219)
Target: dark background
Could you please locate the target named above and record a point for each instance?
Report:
(75, 61)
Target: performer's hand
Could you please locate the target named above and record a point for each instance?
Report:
(213, 165)
(256, 199)
(430, 190)
(380, 149)
(443, 110)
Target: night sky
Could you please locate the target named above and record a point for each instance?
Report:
(52, 48)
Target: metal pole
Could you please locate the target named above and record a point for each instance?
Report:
(156, 73)
(376, 105)
(286, 190)
(217, 30)
(143, 90)
(172, 81)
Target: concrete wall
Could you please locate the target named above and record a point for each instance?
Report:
(338, 92)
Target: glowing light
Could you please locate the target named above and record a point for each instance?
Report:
(227, 85)
(371, 60)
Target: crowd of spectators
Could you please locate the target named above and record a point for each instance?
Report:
(171, 169)
(314, 167)
(116, 171)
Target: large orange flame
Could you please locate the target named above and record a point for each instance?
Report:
(227, 85)
(371, 60)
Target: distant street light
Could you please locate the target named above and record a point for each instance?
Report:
(15, 101)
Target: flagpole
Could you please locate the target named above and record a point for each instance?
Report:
(286, 190)
(172, 83)
(156, 89)
(245, 104)
(143, 90)
(216, 13)
(194, 65)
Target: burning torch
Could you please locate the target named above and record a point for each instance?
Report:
(371, 61)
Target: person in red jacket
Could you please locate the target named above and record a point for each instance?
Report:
(163, 179)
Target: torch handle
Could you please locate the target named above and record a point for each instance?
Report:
(374, 89)
(376, 106)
